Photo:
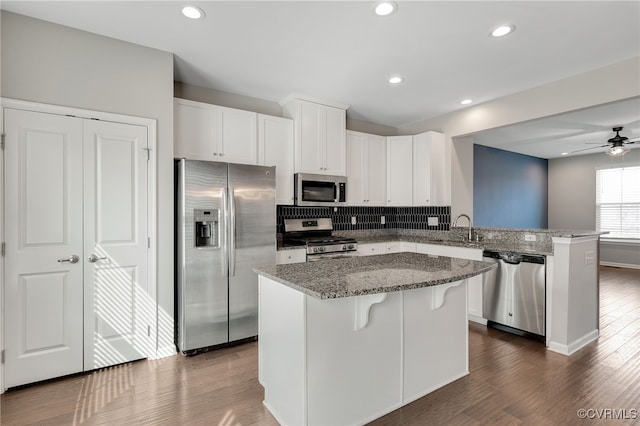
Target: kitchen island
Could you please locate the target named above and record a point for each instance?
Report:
(348, 340)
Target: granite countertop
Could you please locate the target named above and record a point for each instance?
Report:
(353, 276)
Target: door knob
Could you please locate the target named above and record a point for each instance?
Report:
(94, 258)
(71, 259)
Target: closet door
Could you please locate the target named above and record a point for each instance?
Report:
(43, 222)
(118, 310)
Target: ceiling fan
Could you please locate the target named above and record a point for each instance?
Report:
(617, 145)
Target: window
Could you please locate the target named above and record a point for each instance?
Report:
(618, 202)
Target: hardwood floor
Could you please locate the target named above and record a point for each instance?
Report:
(513, 381)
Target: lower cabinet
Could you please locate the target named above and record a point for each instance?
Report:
(284, 257)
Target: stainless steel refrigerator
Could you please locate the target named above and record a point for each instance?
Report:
(225, 226)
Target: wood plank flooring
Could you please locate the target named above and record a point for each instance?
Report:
(513, 381)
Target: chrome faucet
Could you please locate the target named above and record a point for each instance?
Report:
(470, 232)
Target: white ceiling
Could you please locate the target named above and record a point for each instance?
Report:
(586, 130)
(341, 51)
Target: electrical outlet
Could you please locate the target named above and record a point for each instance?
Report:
(353, 220)
(529, 237)
(382, 220)
(432, 221)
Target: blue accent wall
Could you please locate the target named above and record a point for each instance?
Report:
(509, 189)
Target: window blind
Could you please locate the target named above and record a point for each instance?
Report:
(618, 202)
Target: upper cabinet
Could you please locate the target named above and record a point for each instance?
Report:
(275, 148)
(431, 174)
(366, 169)
(319, 135)
(400, 171)
(211, 132)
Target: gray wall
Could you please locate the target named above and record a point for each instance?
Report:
(572, 195)
(53, 64)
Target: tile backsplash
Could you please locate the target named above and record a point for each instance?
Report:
(423, 217)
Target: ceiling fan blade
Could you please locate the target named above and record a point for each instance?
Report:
(587, 149)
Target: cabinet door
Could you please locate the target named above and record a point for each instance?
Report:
(309, 149)
(440, 171)
(334, 141)
(193, 135)
(372, 248)
(236, 136)
(275, 148)
(422, 170)
(284, 257)
(399, 171)
(376, 170)
(430, 170)
(355, 168)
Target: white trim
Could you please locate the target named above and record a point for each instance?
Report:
(574, 346)
(2, 204)
(152, 206)
(620, 265)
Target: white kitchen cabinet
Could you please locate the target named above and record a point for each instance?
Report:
(284, 257)
(319, 134)
(366, 169)
(215, 133)
(371, 249)
(400, 171)
(430, 170)
(474, 286)
(275, 148)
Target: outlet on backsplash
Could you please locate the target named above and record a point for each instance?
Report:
(432, 221)
(382, 220)
(530, 237)
(353, 220)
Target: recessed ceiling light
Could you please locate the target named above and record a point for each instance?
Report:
(395, 79)
(385, 8)
(466, 102)
(565, 153)
(503, 30)
(192, 12)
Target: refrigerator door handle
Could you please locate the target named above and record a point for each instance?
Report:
(232, 232)
(223, 235)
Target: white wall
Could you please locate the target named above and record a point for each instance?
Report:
(53, 64)
(608, 84)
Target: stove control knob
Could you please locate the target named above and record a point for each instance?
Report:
(322, 249)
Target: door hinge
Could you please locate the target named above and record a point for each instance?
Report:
(2, 137)
(2, 357)
(3, 249)
(148, 331)
(148, 153)
(149, 242)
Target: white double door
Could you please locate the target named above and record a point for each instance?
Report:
(76, 245)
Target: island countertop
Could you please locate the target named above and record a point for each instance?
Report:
(354, 276)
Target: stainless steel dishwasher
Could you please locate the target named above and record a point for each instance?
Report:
(514, 292)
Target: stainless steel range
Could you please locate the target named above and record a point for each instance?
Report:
(316, 235)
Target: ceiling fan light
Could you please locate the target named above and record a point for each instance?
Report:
(617, 151)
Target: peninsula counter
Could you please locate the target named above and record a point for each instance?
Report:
(345, 341)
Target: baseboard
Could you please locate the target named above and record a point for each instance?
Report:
(575, 346)
(620, 265)
(477, 319)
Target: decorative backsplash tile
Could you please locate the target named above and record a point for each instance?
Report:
(370, 217)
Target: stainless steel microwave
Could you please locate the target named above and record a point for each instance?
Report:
(319, 190)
